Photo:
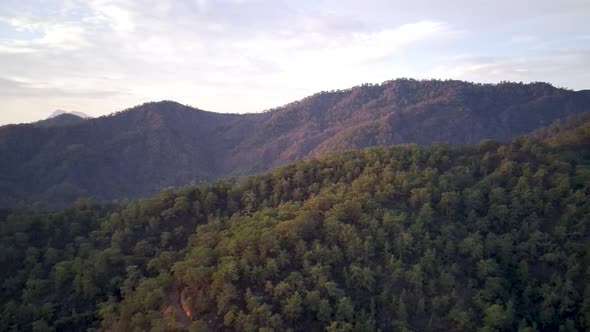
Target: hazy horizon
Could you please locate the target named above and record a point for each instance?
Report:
(244, 56)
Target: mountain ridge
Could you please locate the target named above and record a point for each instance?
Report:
(138, 151)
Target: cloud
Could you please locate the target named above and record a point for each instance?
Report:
(13, 47)
(147, 42)
(10, 87)
(523, 39)
(559, 66)
(114, 13)
(52, 35)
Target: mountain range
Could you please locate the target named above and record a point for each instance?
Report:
(138, 151)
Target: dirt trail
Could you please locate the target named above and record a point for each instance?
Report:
(177, 302)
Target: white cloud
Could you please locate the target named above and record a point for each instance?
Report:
(523, 39)
(556, 66)
(202, 5)
(52, 35)
(12, 47)
(115, 14)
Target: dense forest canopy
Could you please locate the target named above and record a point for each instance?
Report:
(137, 152)
(487, 237)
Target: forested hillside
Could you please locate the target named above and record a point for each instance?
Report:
(139, 151)
(489, 237)
(560, 126)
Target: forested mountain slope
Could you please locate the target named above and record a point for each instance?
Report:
(443, 238)
(141, 150)
(562, 126)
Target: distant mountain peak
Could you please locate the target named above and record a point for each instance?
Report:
(163, 106)
(60, 112)
(59, 120)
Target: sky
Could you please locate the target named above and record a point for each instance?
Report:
(242, 56)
